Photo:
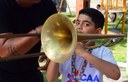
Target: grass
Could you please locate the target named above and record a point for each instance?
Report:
(119, 51)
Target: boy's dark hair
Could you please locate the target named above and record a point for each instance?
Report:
(95, 15)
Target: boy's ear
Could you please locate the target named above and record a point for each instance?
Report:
(98, 31)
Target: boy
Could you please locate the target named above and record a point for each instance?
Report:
(86, 65)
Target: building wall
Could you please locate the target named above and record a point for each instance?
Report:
(72, 4)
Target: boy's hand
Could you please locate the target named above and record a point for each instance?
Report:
(80, 50)
(41, 59)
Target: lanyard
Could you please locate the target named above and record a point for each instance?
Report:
(76, 74)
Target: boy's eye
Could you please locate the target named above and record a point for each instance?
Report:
(77, 22)
(85, 24)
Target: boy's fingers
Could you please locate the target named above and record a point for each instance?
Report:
(42, 58)
(45, 66)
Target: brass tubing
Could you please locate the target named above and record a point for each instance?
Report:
(6, 59)
(17, 35)
(81, 36)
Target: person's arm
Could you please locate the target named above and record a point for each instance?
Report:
(52, 72)
(105, 67)
(19, 45)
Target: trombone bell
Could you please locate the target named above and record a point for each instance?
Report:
(58, 38)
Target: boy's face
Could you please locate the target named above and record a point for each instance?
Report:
(85, 25)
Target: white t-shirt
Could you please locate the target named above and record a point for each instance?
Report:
(91, 74)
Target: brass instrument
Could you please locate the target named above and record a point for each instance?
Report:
(59, 38)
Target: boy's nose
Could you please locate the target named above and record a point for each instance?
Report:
(79, 26)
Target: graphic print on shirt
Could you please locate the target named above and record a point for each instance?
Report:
(79, 75)
(85, 78)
